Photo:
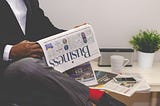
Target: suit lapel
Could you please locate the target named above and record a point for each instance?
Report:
(11, 15)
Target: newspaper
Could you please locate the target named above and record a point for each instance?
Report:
(70, 52)
(83, 74)
(104, 77)
(123, 88)
(70, 48)
(144, 86)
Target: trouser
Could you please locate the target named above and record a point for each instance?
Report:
(30, 82)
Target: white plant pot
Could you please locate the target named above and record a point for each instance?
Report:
(145, 60)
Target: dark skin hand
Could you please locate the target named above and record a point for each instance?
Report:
(26, 49)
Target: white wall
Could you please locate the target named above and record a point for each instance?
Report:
(114, 21)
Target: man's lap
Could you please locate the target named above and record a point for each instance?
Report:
(34, 74)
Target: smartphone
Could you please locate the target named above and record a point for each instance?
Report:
(124, 79)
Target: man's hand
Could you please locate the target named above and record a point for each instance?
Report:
(26, 49)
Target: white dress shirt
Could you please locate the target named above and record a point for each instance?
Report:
(19, 9)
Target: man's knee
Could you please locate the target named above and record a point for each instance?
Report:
(20, 66)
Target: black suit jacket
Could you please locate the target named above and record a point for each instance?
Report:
(38, 26)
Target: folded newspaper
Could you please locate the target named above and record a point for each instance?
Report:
(106, 82)
(83, 74)
(69, 49)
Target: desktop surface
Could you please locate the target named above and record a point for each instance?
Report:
(151, 75)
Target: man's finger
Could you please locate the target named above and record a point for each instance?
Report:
(35, 46)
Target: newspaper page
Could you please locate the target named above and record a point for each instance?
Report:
(144, 87)
(83, 73)
(123, 88)
(70, 48)
(103, 77)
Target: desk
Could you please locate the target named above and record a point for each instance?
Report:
(151, 75)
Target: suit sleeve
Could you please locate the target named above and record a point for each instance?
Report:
(43, 22)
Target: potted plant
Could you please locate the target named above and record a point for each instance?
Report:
(146, 42)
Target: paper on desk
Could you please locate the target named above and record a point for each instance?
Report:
(144, 86)
(124, 88)
(83, 74)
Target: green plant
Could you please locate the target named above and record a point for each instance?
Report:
(146, 41)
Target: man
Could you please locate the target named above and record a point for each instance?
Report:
(25, 78)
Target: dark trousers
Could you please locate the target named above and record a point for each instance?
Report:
(30, 82)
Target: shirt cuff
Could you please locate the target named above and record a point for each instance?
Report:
(7, 50)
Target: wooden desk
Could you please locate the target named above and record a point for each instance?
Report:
(151, 75)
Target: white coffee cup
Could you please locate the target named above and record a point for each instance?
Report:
(118, 62)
